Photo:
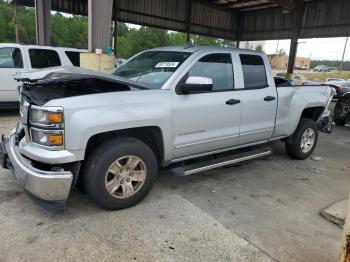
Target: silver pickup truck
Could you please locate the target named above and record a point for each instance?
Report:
(189, 109)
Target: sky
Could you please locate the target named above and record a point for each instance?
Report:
(314, 48)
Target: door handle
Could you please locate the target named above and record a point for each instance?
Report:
(232, 101)
(269, 98)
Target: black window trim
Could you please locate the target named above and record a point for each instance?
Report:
(20, 51)
(46, 49)
(213, 91)
(252, 88)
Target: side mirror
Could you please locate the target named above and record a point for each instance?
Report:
(195, 84)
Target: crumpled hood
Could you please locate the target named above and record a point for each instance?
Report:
(41, 86)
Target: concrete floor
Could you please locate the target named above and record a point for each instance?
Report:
(263, 210)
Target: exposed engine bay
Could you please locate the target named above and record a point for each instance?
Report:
(61, 85)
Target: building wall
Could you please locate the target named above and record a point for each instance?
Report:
(281, 61)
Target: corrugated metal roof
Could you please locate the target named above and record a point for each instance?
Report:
(249, 19)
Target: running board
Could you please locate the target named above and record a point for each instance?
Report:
(219, 162)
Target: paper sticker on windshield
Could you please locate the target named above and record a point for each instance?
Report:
(167, 65)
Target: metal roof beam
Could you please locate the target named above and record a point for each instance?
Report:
(288, 4)
(255, 7)
(229, 4)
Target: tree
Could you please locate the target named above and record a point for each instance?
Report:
(138, 40)
(259, 48)
(177, 38)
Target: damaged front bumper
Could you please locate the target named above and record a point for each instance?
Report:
(50, 189)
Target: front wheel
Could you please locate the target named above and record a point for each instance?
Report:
(120, 173)
(304, 140)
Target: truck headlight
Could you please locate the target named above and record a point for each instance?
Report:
(46, 127)
(49, 116)
(49, 138)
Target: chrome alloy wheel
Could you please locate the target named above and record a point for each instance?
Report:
(125, 176)
(307, 140)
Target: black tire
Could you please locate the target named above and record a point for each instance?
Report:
(100, 160)
(337, 112)
(293, 146)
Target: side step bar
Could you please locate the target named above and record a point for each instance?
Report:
(219, 162)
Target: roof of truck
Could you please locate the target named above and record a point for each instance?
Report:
(42, 46)
(195, 48)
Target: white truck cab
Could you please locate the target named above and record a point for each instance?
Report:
(17, 57)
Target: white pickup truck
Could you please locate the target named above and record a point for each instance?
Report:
(189, 109)
(15, 58)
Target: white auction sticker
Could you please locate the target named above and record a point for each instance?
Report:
(167, 65)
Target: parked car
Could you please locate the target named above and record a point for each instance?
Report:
(334, 79)
(301, 67)
(299, 80)
(339, 86)
(322, 68)
(163, 108)
(16, 57)
(296, 79)
(342, 108)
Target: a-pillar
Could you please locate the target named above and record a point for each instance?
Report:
(42, 20)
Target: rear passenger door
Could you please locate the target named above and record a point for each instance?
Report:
(258, 97)
(11, 62)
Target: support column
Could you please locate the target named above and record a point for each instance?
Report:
(189, 14)
(99, 24)
(292, 55)
(299, 17)
(42, 20)
(239, 28)
(115, 33)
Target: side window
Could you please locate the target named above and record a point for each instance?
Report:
(218, 67)
(74, 57)
(41, 58)
(254, 72)
(10, 57)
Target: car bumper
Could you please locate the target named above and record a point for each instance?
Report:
(49, 188)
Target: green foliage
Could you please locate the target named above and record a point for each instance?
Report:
(69, 31)
(259, 48)
(138, 40)
(177, 38)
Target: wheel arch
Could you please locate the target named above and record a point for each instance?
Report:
(313, 113)
(150, 135)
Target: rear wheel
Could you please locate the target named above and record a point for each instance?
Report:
(340, 112)
(304, 140)
(120, 173)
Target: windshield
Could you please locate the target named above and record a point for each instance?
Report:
(152, 67)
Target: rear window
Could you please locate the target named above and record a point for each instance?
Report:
(74, 57)
(10, 57)
(254, 72)
(42, 58)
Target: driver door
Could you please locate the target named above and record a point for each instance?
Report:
(207, 121)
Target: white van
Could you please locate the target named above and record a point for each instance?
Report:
(18, 57)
